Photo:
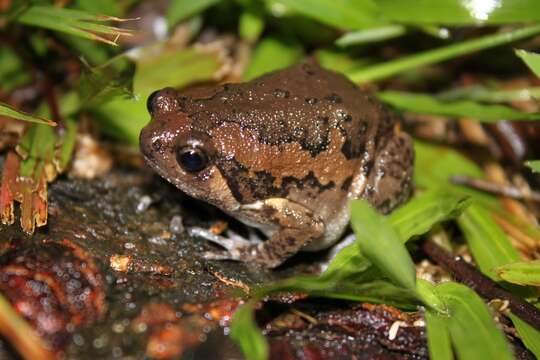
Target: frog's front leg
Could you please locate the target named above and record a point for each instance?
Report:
(296, 224)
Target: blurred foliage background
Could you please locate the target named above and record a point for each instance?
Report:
(449, 66)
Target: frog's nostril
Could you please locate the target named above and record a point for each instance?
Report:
(157, 145)
(150, 102)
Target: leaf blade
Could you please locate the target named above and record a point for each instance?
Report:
(394, 67)
(8, 111)
(381, 245)
(427, 104)
(488, 243)
(521, 272)
(420, 213)
(246, 333)
(531, 59)
(473, 332)
(438, 337)
(534, 165)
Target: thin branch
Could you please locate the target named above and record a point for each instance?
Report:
(497, 189)
(487, 288)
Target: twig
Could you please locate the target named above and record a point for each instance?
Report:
(497, 189)
(487, 288)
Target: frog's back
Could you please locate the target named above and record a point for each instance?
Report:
(304, 133)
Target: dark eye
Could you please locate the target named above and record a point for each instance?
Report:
(150, 102)
(192, 159)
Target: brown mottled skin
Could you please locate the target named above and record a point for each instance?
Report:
(284, 152)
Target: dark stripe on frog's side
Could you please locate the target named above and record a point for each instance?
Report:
(347, 183)
(248, 186)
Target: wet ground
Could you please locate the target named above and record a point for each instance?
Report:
(114, 275)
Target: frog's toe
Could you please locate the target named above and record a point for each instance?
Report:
(217, 255)
(230, 242)
(239, 253)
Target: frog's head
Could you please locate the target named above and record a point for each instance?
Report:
(181, 154)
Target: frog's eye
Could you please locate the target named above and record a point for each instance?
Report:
(192, 158)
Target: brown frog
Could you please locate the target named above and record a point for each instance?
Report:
(284, 153)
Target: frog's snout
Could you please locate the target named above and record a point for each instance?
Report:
(162, 101)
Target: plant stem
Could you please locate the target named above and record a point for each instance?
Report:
(483, 285)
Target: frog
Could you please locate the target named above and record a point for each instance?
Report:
(284, 153)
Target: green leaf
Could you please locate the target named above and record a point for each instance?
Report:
(182, 9)
(534, 165)
(423, 211)
(38, 145)
(473, 332)
(12, 71)
(99, 85)
(438, 337)
(342, 14)
(177, 68)
(371, 35)
(529, 335)
(521, 272)
(73, 22)
(458, 12)
(8, 111)
(381, 245)
(429, 296)
(251, 22)
(351, 289)
(531, 59)
(273, 53)
(427, 104)
(435, 165)
(347, 262)
(246, 333)
(339, 60)
(67, 143)
(403, 64)
(106, 7)
(488, 243)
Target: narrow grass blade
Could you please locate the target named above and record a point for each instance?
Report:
(73, 22)
(246, 333)
(371, 35)
(21, 335)
(438, 337)
(488, 243)
(421, 213)
(428, 104)
(531, 59)
(381, 245)
(67, 144)
(485, 94)
(351, 289)
(473, 332)
(521, 272)
(8, 111)
(391, 68)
